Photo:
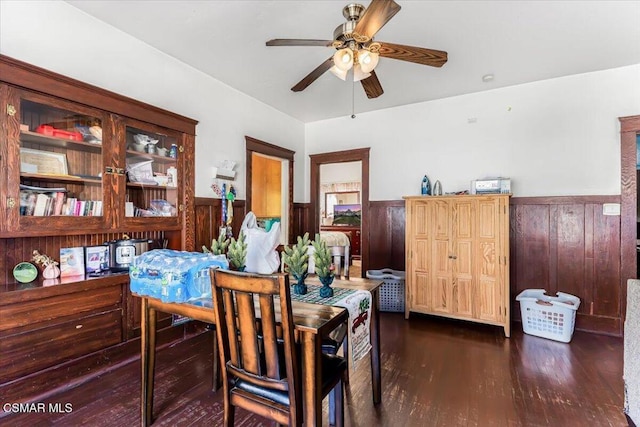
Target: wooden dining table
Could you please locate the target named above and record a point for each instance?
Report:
(312, 323)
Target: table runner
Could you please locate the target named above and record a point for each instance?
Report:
(358, 303)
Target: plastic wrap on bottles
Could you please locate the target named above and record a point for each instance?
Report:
(174, 276)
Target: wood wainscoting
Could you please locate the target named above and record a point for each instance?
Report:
(208, 219)
(386, 237)
(556, 243)
(566, 244)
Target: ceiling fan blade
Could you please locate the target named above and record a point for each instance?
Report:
(372, 86)
(419, 55)
(299, 42)
(375, 17)
(313, 76)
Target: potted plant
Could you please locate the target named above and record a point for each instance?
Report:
(238, 253)
(324, 266)
(218, 247)
(49, 265)
(296, 261)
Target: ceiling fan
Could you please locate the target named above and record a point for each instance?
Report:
(357, 50)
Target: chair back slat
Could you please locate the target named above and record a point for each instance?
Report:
(268, 324)
(256, 332)
(229, 324)
(248, 334)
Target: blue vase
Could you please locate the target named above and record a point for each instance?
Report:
(326, 290)
(300, 288)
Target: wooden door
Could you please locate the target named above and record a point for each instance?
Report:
(441, 297)
(419, 257)
(462, 258)
(490, 282)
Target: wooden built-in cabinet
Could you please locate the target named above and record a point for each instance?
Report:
(458, 257)
(67, 148)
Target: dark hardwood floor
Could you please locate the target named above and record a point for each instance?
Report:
(435, 373)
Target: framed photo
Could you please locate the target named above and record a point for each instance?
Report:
(347, 214)
(37, 161)
(72, 262)
(96, 259)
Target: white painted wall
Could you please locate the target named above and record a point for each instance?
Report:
(56, 36)
(340, 172)
(553, 137)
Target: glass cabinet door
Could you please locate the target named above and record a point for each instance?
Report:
(153, 175)
(58, 175)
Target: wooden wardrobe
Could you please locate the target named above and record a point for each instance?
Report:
(457, 250)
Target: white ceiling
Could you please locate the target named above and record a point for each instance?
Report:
(516, 41)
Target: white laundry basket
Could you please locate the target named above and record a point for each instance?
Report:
(548, 316)
(392, 292)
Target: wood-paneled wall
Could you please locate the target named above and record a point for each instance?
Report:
(566, 244)
(208, 219)
(386, 235)
(556, 243)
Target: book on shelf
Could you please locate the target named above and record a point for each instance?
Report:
(41, 205)
(59, 202)
(30, 203)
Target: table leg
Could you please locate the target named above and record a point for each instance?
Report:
(148, 359)
(216, 363)
(376, 381)
(311, 379)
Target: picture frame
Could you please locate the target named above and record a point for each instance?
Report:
(347, 214)
(43, 162)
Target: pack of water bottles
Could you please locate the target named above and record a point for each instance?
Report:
(174, 276)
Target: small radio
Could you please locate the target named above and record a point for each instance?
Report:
(491, 186)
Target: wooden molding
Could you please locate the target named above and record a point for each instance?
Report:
(31, 77)
(358, 154)
(630, 127)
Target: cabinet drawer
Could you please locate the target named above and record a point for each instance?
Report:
(32, 351)
(30, 313)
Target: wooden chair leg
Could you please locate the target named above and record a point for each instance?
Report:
(229, 414)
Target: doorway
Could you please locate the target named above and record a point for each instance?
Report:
(629, 134)
(270, 160)
(362, 155)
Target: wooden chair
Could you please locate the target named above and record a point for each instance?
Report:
(259, 357)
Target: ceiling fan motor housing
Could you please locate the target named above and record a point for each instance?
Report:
(345, 32)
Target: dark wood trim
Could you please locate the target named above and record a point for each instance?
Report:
(301, 218)
(31, 77)
(358, 154)
(629, 124)
(630, 127)
(253, 145)
(562, 200)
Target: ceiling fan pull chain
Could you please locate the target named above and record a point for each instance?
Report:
(353, 102)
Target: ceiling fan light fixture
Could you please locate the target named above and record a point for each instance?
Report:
(341, 74)
(368, 60)
(343, 59)
(359, 73)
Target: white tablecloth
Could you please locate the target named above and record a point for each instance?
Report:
(335, 238)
